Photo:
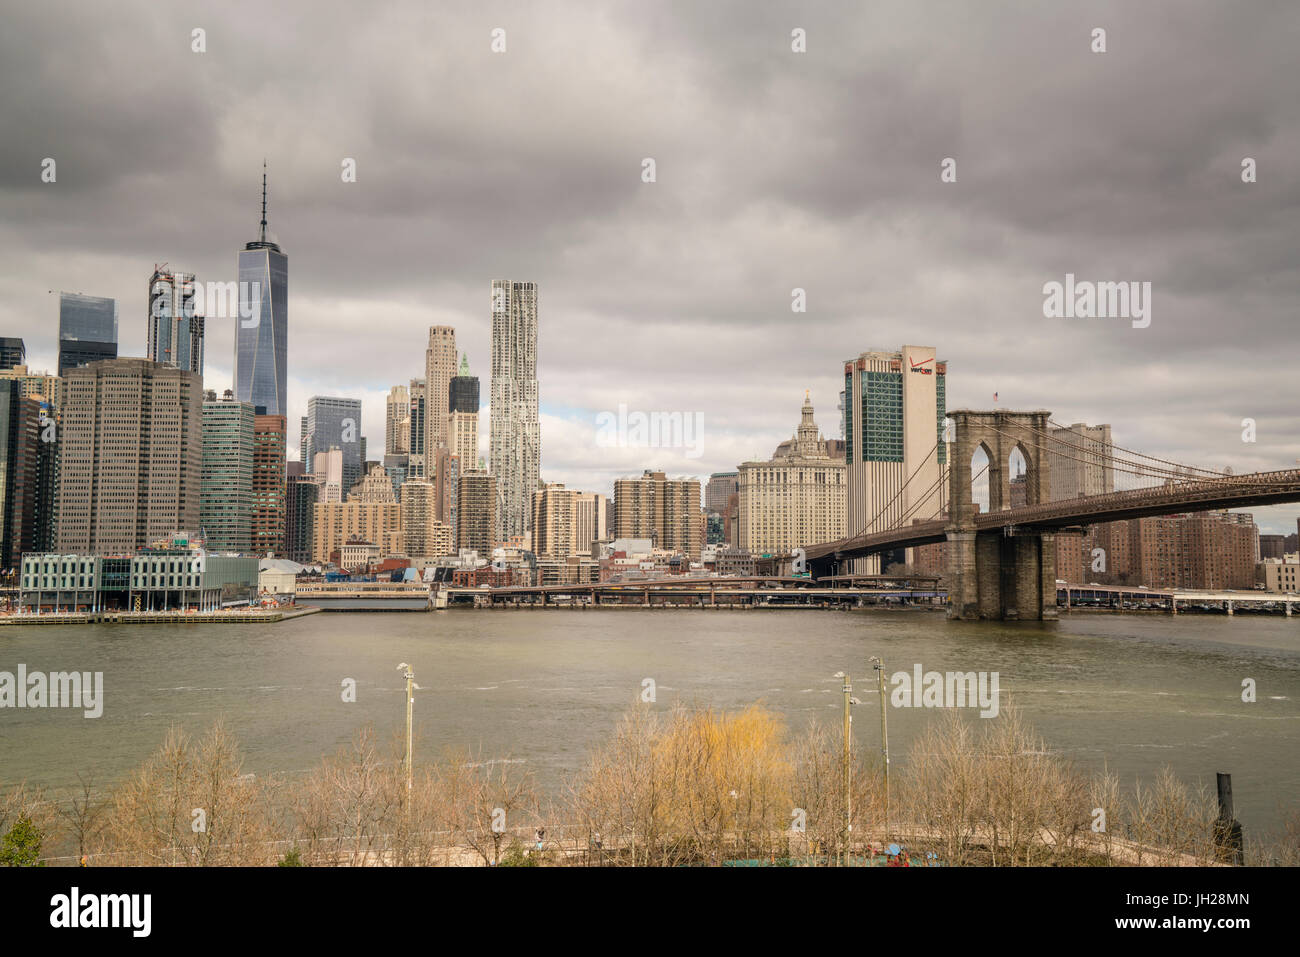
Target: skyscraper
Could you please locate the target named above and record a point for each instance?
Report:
(515, 443)
(894, 406)
(131, 455)
(269, 484)
(87, 330)
(175, 332)
(476, 499)
(462, 417)
(262, 339)
(439, 369)
(226, 504)
(416, 463)
(335, 422)
(300, 493)
(19, 470)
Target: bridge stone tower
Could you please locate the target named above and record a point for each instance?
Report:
(1006, 573)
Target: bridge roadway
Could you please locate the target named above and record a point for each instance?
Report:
(1234, 491)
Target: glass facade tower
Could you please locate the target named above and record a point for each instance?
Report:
(87, 330)
(262, 339)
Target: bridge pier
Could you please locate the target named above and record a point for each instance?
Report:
(1001, 577)
(1005, 573)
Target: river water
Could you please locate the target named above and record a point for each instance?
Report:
(1131, 691)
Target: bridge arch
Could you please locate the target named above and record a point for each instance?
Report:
(999, 574)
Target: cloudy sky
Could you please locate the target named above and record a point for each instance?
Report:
(775, 170)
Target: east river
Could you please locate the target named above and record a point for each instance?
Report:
(1134, 692)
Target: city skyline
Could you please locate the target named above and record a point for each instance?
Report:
(667, 276)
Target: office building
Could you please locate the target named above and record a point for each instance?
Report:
(796, 499)
(336, 523)
(328, 472)
(398, 469)
(894, 406)
(226, 505)
(515, 444)
(87, 330)
(131, 455)
(13, 352)
(416, 464)
(720, 487)
(439, 369)
(375, 487)
(334, 422)
(665, 511)
(262, 330)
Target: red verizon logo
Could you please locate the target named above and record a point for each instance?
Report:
(920, 366)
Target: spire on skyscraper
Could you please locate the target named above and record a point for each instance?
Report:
(263, 199)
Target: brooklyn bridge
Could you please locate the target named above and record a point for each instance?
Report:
(1001, 561)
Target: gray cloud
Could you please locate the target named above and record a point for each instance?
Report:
(775, 170)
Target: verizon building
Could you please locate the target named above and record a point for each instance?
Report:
(894, 406)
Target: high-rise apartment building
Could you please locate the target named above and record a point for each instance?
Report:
(894, 407)
(1198, 550)
(20, 439)
(425, 536)
(565, 521)
(797, 498)
(476, 501)
(262, 339)
(665, 511)
(269, 503)
(515, 443)
(87, 330)
(439, 369)
(175, 331)
(335, 423)
(301, 490)
(397, 421)
(131, 455)
(1080, 461)
(226, 504)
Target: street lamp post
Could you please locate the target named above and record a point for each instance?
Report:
(879, 667)
(849, 701)
(409, 675)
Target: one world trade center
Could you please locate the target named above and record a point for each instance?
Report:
(262, 335)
